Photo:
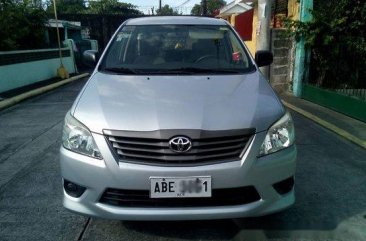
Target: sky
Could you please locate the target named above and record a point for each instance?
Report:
(146, 5)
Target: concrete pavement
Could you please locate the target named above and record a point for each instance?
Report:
(30, 194)
(330, 187)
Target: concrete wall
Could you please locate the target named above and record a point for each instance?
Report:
(21, 68)
(282, 48)
(293, 8)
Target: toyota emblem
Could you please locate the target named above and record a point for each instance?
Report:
(180, 144)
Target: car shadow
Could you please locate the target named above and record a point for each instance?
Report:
(187, 230)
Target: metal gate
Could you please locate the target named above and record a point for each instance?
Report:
(342, 71)
(101, 26)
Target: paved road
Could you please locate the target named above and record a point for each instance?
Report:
(331, 187)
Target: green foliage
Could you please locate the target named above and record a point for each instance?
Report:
(112, 7)
(337, 38)
(22, 22)
(338, 21)
(21, 25)
(166, 10)
(212, 7)
(94, 7)
(196, 10)
(67, 6)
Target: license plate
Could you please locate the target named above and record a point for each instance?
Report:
(180, 187)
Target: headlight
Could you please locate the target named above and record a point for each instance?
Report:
(279, 136)
(76, 137)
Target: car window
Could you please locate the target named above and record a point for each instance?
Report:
(175, 49)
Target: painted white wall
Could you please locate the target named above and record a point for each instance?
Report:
(22, 74)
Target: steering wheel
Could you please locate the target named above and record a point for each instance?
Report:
(208, 56)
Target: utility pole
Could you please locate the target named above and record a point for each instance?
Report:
(159, 6)
(204, 7)
(264, 29)
(61, 71)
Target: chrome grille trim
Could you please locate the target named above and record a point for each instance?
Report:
(152, 148)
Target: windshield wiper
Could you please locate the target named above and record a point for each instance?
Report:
(202, 70)
(120, 70)
(183, 70)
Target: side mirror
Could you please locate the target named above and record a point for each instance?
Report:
(263, 58)
(90, 57)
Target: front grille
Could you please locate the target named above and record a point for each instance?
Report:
(153, 147)
(140, 198)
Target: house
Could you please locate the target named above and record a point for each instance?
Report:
(243, 15)
(240, 15)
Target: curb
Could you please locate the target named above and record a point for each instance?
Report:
(326, 124)
(16, 99)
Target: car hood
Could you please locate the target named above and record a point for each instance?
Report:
(148, 103)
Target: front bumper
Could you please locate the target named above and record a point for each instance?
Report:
(97, 175)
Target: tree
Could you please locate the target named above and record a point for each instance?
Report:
(112, 7)
(166, 10)
(94, 7)
(212, 7)
(21, 25)
(196, 10)
(337, 39)
(67, 6)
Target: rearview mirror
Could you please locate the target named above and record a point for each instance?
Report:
(90, 57)
(263, 58)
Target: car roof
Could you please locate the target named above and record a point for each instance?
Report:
(184, 20)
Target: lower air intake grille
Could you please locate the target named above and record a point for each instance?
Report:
(153, 147)
(140, 198)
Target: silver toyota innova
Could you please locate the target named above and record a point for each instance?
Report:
(176, 123)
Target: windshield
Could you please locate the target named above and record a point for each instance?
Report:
(176, 49)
